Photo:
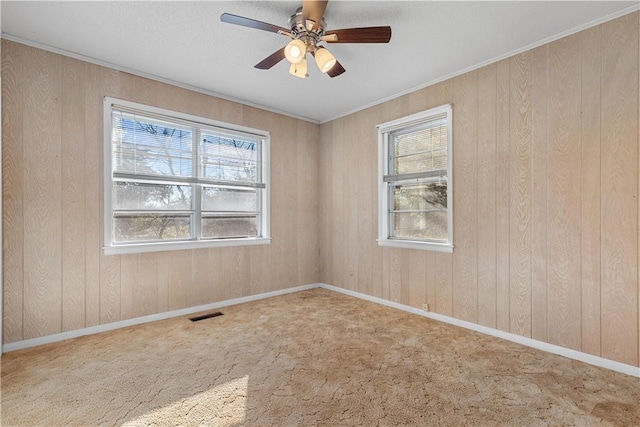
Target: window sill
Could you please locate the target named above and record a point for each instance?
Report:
(174, 246)
(415, 244)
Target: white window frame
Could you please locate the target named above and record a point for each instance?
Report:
(264, 214)
(384, 187)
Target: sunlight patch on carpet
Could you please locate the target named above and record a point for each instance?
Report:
(222, 405)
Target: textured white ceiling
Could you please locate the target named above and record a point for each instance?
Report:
(185, 42)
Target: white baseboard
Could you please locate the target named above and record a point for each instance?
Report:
(19, 345)
(550, 348)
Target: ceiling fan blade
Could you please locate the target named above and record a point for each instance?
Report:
(361, 35)
(271, 60)
(314, 11)
(251, 23)
(336, 70)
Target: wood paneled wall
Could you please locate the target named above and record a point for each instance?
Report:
(55, 276)
(545, 197)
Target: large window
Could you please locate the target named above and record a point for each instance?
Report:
(177, 181)
(415, 197)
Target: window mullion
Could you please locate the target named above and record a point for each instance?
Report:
(259, 178)
(390, 210)
(197, 188)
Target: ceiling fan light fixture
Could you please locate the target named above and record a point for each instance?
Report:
(299, 69)
(324, 59)
(307, 27)
(295, 51)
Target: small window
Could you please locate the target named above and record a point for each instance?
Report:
(415, 183)
(176, 181)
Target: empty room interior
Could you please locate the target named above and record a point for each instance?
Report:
(320, 213)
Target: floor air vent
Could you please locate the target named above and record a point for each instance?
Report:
(205, 316)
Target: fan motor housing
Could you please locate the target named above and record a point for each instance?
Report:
(300, 31)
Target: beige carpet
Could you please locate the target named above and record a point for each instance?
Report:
(310, 358)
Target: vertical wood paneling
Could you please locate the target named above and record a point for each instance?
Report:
(93, 192)
(417, 278)
(42, 194)
(444, 289)
(619, 121)
(12, 188)
(325, 179)
(465, 197)
(127, 274)
(284, 205)
(430, 280)
(110, 283)
(231, 112)
(380, 254)
(564, 125)
(386, 273)
(405, 276)
(165, 270)
(350, 203)
(591, 208)
(175, 279)
(398, 107)
(289, 210)
(419, 100)
(260, 256)
(215, 275)
(487, 132)
(395, 274)
(145, 284)
(638, 281)
(503, 196)
(196, 288)
(520, 197)
(539, 139)
(365, 139)
(198, 273)
(336, 203)
(73, 194)
(246, 265)
(234, 272)
(12, 191)
(307, 200)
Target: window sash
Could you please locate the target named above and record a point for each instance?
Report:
(392, 211)
(439, 150)
(196, 155)
(140, 145)
(146, 214)
(198, 212)
(389, 179)
(258, 212)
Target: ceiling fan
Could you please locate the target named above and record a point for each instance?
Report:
(307, 31)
